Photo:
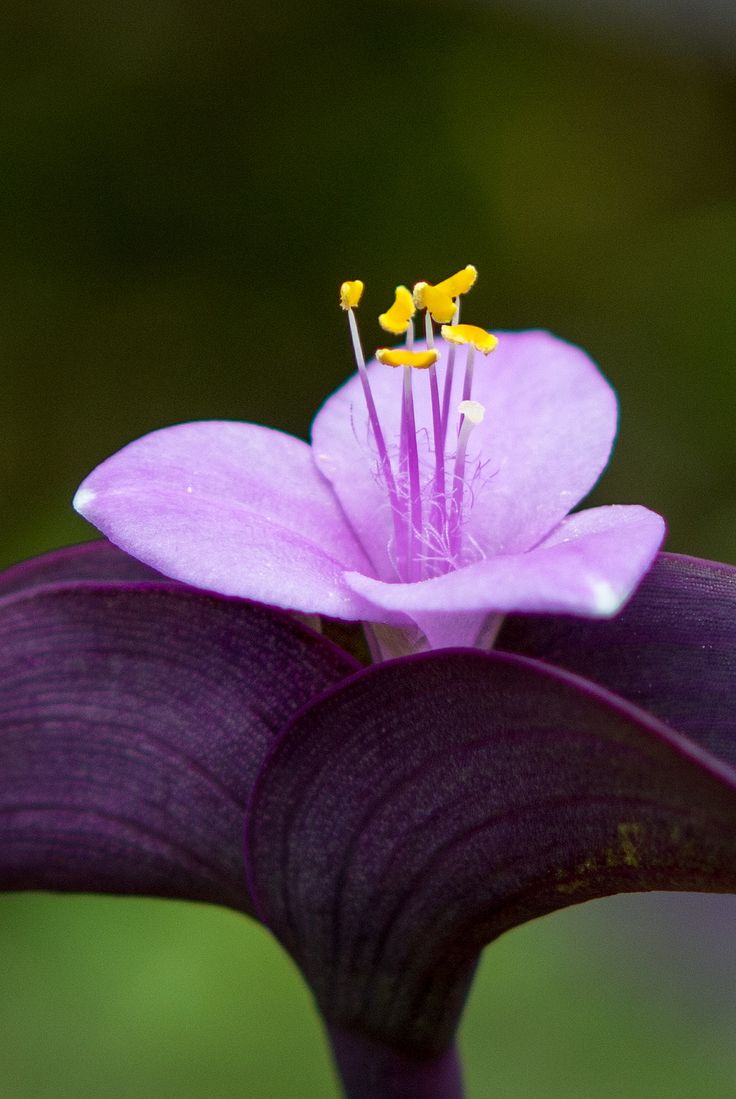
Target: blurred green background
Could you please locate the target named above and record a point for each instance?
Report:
(184, 186)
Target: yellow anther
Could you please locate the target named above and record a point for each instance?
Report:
(469, 334)
(397, 318)
(459, 283)
(351, 293)
(399, 356)
(440, 299)
(439, 304)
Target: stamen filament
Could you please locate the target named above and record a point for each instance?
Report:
(428, 537)
(414, 503)
(437, 430)
(385, 461)
(449, 375)
(439, 438)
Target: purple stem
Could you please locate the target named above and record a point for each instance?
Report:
(370, 1070)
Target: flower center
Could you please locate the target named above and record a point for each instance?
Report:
(427, 474)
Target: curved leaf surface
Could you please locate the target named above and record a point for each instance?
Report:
(98, 560)
(427, 805)
(133, 720)
(672, 650)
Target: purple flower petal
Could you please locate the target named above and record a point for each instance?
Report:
(672, 650)
(588, 565)
(132, 724)
(97, 561)
(389, 842)
(547, 434)
(229, 507)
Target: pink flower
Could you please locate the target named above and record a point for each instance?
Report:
(406, 511)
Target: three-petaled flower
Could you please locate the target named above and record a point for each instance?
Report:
(400, 816)
(431, 505)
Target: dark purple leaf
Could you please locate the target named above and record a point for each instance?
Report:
(672, 650)
(98, 560)
(133, 720)
(424, 807)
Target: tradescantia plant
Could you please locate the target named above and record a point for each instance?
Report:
(549, 716)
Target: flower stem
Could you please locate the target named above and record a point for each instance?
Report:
(370, 1070)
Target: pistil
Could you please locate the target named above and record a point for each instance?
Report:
(475, 339)
(468, 379)
(471, 414)
(449, 377)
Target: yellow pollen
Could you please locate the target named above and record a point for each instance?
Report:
(469, 334)
(459, 283)
(397, 318)
(439, 304)
(351, 293)
(419, 360)
(440, 299)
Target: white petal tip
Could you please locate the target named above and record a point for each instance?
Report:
(82, 499)
(606, 600)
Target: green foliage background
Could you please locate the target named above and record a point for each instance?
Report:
(184, 186)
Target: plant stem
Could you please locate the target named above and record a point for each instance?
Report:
(370, 1070)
